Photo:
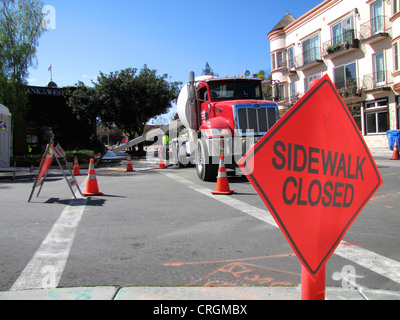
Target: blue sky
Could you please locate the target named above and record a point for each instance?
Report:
(171, 36)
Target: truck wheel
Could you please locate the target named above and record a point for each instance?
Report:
(179, 156)
(175, 158)
(206, 170)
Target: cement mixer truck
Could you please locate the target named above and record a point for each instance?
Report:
(217, 116)
(220, 116)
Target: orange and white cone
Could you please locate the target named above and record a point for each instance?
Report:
(396, 155)
(161, 164)
(92, 188)
(77, 171)
(222, 180)
(129, 167)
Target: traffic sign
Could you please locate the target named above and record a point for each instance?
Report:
(315, 173)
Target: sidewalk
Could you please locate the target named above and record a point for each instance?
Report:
(192, 293)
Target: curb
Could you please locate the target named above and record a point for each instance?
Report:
(192, 293)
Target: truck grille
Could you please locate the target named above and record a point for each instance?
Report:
(257, 118)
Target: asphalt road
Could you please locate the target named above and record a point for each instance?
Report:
(165, 228)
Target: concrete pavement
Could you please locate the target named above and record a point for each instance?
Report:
(192, 293)
(199, 293)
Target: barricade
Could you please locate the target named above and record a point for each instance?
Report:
(222, 180)
(396, 155)
(161, 164)
(92, 188)
(77, 171)
(129, 167)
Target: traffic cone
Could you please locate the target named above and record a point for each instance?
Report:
(129, 167)
(77, 171)
(222, 180)
(161, 164)
(396, 155)
(92, 188)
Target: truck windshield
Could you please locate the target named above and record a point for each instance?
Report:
(234, 90)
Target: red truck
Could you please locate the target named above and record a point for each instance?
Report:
(220, 116)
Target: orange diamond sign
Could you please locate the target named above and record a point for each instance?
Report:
(314, 172)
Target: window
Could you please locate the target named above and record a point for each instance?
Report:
(346, 77)
(379, 69)
(398, 117)
(273, 61)
(279, 58)
(396, 56)
(355, 110)
(398, 111)
(32, 139)
(343, 31)
(377, 17)
(291, 58)
(293, 97)
(311, 50)
(221, 90)
(376, 116)
(396, 6)
(308, 80)
(281, 92)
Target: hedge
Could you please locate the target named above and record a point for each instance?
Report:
(29, 160)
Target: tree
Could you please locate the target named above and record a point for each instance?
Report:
(260, 74)
(84, 102)
(266, 84)
(20, 30)
(129, 100)
(208, 71)
(125, 99)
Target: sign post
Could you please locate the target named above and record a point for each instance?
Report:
(315, 173)
(313, 288)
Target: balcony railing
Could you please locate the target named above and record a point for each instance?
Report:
(341, 44)
(308, 59)
(286, 67)
(378, 81)
(350, 89)
(375, 29)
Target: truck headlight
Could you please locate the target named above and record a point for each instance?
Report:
(216, 133)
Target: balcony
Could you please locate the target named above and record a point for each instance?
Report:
(286, 67)
(289, 68)
(377, 82)
(375, 30)
(351, 91)
(308, 59)
(341, 45)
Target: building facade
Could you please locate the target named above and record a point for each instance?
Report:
(357, 43)
(49, 116)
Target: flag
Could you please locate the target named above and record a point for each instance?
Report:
(49, 68)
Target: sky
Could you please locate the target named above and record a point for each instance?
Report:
(173, 37)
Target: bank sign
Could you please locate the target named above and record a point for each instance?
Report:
(314, 172)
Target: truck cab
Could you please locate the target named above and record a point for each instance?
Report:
(223, 116)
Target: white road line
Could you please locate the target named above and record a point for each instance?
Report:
(375, 262)
(253, 211)
(370, 260)
(45, 269)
